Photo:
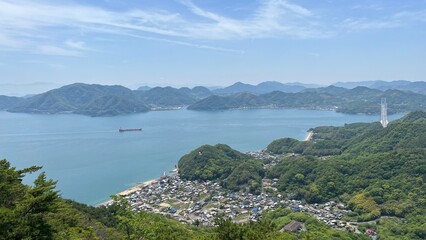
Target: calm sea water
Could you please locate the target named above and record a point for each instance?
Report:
(91, 160)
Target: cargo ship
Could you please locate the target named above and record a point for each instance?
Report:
(129, 129)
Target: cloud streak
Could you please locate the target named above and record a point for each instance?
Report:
(26, 25)
(43, 28)
(395, 20)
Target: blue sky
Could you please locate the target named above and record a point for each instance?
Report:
(207, 42)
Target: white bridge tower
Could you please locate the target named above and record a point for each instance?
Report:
(384, 113)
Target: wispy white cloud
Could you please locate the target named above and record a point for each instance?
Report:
(374, 7)
(357, 24)
(50, 28)
(414, 15)
(273, 18)
(188, 44)
(57, 51)
(76, 44)
(395, 20)
(23, 24)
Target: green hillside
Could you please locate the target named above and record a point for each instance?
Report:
(166, 96)
(377, 171)
(93, 100)
(209, 162)
(351, 101)
(38, 212)
(112, 105)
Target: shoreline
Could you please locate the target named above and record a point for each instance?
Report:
(309, 136)
(135, 188)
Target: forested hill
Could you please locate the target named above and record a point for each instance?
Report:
(233, 169)
(93, 100)
(357, 100)
(264, 87)
(380, 173)
(377, 171)
(100, 100)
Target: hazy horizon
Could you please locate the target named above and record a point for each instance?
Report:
(26, 89)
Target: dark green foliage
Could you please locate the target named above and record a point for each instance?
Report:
(380, 172)
(394, 228)
(315, 229)
(289, 145)
(37, 212)
(283, 145)
(324, 148)
(235, 170)
(342, 133)
(23, 209)
(210, 162)
(404, 134)
(103, 214)
(248, 176)
(150, 226)
(227, 230)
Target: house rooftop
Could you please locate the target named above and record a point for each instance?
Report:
(293, 226)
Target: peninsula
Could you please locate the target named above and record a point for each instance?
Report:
(321, 177)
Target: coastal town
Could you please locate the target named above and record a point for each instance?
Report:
(197, 203)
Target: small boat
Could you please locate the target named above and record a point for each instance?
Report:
(129, 129)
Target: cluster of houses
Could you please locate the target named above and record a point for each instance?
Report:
(199, 202)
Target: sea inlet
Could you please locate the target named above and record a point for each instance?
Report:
(91, 159)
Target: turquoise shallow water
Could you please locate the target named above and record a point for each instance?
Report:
(91, 160)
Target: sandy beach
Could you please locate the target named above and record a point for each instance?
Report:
(309, 136)
(141, 185)
(137, 187)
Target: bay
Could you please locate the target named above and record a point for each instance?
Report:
(91, 160)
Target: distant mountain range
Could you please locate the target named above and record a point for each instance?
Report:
(352, 101)
(403, 85)
(260, 88)
(99, 100)
(264, 87)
